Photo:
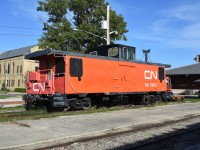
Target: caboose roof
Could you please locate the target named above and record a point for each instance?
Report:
(36, 55)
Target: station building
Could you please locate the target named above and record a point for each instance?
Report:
(186, 79)
(14, 68)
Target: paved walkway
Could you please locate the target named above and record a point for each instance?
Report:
(11, 101)
(68, 128)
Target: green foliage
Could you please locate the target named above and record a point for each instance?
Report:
(87, 15)
(194, 99)
(22, 90)
(4, 96)
(57, 29)
(4, 88)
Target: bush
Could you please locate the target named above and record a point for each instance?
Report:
(20, 90)
(3, 88)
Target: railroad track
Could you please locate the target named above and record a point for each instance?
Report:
(166, 137)
(134, 145)
(162, 139)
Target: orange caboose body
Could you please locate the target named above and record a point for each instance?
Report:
(67, 79)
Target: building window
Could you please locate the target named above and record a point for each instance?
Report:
(17, 69)
(20, 69)
(8, 68)
(12, 83)
(13, 67)
(18, 83)
(0, 68)
(36, 68)
(4, 68)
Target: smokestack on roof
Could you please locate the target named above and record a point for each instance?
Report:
(146, 52)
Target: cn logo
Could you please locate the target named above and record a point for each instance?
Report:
(150, 74)
(38, 86)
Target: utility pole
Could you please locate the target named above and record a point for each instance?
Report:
(108, 25)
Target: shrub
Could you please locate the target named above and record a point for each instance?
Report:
(3, 88)
(23, 90)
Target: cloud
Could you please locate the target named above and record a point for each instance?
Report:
(22, 7)
(192, 30)
(189, 12)
(177, 27)
(26, 9)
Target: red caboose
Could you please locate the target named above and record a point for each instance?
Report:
(66, 79)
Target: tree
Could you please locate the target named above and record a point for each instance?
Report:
(87, 15)
(57, 29)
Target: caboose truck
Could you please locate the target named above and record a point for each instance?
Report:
(69, 80)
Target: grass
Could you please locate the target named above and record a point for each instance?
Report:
(4, 96)
(193, 100)
(38, 114)
(42, 113)
(3, 91)
(17, 108)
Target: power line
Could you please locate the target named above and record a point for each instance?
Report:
(13, 27)
(18, 35)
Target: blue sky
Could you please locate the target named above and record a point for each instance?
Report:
(170, 28)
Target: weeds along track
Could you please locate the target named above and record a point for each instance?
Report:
(19, 115)
(9, 115)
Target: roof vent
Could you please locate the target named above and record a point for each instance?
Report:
(197, 58)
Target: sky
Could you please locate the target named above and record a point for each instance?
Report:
(170, 28)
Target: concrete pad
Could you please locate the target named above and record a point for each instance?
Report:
(69, 128)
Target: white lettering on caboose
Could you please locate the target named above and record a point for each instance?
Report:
(38, 86)
(148, 75)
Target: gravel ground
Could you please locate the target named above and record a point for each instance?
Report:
(126, 141)
(188, 141)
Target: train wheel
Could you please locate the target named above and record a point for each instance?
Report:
(87, 103)
(29, 105)
(77, 104)
(146, 100)
(131, 99)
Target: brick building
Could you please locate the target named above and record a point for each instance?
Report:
(14, 68)
(186, 78)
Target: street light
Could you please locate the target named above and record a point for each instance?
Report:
(107, 39)
(115, 32)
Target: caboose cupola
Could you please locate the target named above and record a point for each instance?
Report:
(122, 52)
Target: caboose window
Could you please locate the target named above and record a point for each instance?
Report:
(49, 64)
(128, 53)
(76, 67)
(60, 66)
(161, 73)
(113, 52)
